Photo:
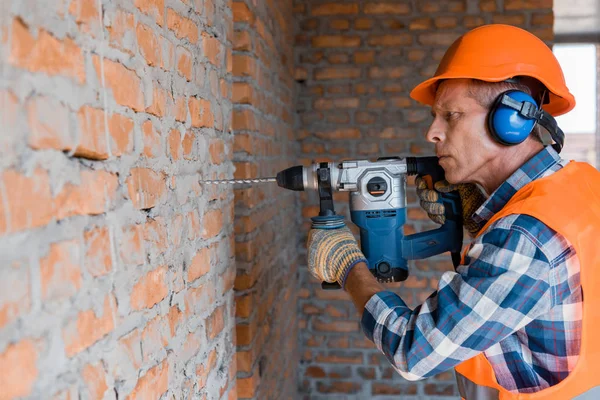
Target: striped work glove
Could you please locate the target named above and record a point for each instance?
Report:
(332, 253)
(470, 195)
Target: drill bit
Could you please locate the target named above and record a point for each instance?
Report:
(234, 181)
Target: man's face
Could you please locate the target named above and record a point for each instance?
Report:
(458, 130)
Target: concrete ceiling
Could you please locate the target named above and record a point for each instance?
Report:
(577, 18)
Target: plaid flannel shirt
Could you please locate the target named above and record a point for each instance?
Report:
(518, 299)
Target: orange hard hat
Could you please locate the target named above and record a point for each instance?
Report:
(497, 52)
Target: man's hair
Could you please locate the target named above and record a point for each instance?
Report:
(486, 93)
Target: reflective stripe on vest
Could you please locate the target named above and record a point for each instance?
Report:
(469, 390)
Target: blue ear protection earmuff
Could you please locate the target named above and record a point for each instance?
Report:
(514, 115)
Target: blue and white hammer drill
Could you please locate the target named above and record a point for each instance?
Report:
(378, 207)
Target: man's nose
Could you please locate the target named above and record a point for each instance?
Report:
(436, 132)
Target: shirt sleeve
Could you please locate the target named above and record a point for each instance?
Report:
(504, 287)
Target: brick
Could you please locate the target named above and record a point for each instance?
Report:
(336, 326)
(98, 254)
(158, 333)
(149, 290)
(242, 93)
(515, 20)
(342, 102)
(242, 40)
(241, 13)
(243, 120)
(180, 109)
(203, 370)
(338, 387)
(437, 38)
(182, 27)
(315, 371)
(431, 6)
(217, 151)
(244, 305)
(145, 187)
(121, 30)
(129, 346)
(93, 134)
(420, 24)
(124, 83)
(387, 8)
(244, 361)
(244, 65)
(334, 9)
(445, 22)
(398, 389)
(153, 384)
(84, 11)
(151, 140)
(390, 40)
(60, 270)
(212, 49)
(15, 297)
(131, 245)
(487, 5)
(542, 19)
(155, 234)
(329, 41)
(149, 45)
(200, 110)
(215, 323)
(188, 146)
(337, 73)
(363, 24)
(546, 34)
(153, 8)
(339, 24)
(339, 134)
(25, 201)
(212, 223)
(94, 377)
(184, 63)
(247, 387)
(388, 72)
(341, 358)
(45, 54)
(528, 4)
(89, 327)
(18, 363)
(471, 21)
(49, 125)
(76, 199)
(200, 265)
(364, 57)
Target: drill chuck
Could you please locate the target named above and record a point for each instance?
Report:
(291, 178)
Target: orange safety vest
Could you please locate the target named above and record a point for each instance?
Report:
(567, 201)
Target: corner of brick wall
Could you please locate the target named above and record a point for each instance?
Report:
(117, 266)
(266, 223)
(356, 62)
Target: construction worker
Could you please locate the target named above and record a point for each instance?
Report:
(516, 319)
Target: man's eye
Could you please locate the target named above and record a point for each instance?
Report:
(451, 115)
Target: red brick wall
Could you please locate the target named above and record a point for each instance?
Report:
(266, 222)
(357, 62)
(117, 266)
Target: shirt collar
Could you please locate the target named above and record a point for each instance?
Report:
(528, 172)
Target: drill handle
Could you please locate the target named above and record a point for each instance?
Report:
(450, 235)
